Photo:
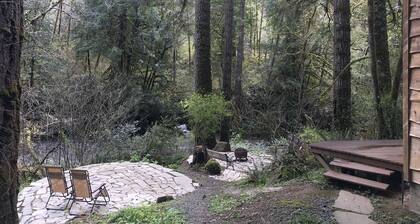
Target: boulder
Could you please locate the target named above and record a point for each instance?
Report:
(222, 147)
(166, 198)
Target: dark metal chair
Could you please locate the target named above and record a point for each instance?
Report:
(229, 161)
(82, 190)
(57, 185)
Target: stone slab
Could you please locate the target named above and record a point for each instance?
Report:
(352, 218)
(354, 203)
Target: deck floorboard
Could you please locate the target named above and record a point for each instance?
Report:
(382, 153)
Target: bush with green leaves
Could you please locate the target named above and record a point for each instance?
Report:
(205, 112)
(213, 167)
(158, 144)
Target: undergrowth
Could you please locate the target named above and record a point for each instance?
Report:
(149, 214)
(222, 203)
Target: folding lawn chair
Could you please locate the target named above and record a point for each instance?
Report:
(82, 190)
(57, 185)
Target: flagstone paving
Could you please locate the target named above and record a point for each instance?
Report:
(352, 209)
(129, 184)
(242, 169)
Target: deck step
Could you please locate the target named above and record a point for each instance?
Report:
(356, 180)
(361, 167)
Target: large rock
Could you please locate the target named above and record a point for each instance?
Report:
(352, 218)
(222, 147)
(165, 198)
(353, 203)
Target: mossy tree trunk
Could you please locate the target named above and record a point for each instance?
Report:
(11, 36)
(202, 47)
(342, 73)
(227, 67)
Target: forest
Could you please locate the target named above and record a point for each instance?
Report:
(100, 81)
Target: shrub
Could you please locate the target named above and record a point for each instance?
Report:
(158, 144)
(205, 113)
(294, 161)
(213, 167)
(153, 214)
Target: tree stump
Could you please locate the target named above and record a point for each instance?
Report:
(222, 147)
(200, 155)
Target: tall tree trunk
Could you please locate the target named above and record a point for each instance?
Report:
(254, 47)
(11, 36)
(342, 73)
(380, 66)
(260, 32)
(227, 66)
(237, 90)
(202, 47)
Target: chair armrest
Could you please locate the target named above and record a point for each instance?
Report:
(99, 188)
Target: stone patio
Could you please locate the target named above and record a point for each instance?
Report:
(243, 168)
(129, 184)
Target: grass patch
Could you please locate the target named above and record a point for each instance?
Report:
(222, 203)
(293, 204)
(150, 214)
(305, 218)
(392, 214)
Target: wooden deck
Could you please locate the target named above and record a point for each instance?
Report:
(380, 153)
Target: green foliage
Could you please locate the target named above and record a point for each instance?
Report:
(305, 218)
(153, 214)
(213, 167)
(317, 177)
(135, 157)
(293, 162)
(205, 113)
(158, 145)
(311, 135)
(257, 177)
(222, 203)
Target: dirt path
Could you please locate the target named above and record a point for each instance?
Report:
(196, 204)
(302, 200)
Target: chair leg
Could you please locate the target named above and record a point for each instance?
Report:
(71, 204)
(93, 206)
(67, 204)
(46, 205)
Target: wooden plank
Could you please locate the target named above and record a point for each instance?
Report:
(356, 180)
(359, 158)
(406, 86)
(412, 3)
(414, 130)
(361, 167)
(415, 13)
(322, 161)
(415, 112)
(414, 96)
(415, 154)
(415, 59)
(415, 79)
(415, 176)
(415, 44)
(415, 28)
